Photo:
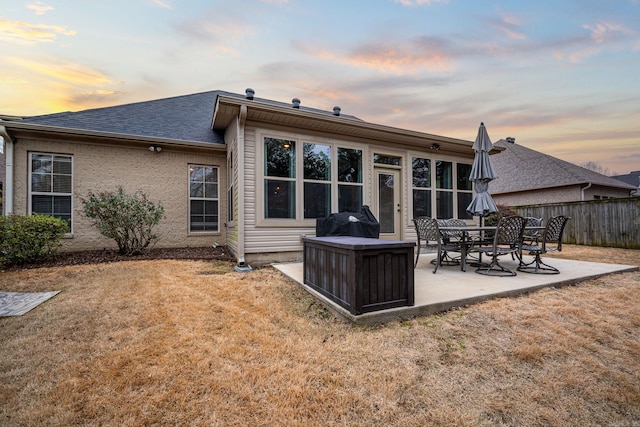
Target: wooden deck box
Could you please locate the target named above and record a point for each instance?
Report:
(360, 274)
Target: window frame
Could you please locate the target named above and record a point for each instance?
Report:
(216, 199)
(300, 140)
(433, 187)
(31, 193)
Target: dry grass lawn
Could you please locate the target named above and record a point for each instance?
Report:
(194, 343)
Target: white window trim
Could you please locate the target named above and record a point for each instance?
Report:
(189, 199)
(31, 193)
(434, 158)
(301, 139)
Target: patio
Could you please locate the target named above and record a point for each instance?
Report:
(450, 287)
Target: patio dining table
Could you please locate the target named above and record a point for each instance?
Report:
(467, 237)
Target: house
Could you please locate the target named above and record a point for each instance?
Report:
(529, 177)
(230, 169)
(632, 178)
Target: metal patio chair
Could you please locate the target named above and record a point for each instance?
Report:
(430, 237)
(551, 240)
(507, 240)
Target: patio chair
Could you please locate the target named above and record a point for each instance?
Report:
(530, 236)
(430, 238)
(551, 240)
(507, 239)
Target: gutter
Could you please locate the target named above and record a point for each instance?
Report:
(112, 135)
(242, 118)
(582, 191)
(8, 183)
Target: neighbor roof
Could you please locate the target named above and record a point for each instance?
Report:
(632, 178)
(520, 169)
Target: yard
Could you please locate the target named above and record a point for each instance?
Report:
(182, 342)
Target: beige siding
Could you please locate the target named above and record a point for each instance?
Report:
(162, 176)
(231, 138)
(273, 243)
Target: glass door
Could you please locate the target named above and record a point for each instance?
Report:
(388, 210)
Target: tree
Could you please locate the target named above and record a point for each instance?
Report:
(597, 167)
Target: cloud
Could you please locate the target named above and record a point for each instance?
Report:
(64, 71)
(276, 2)
(604, 31)
(31, 33)
(162, 4)
(397, 57)
(509, 25)
(39, 8)
(214, 33)
(410, 3)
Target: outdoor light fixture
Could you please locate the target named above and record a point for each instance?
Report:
(155, 148)
(435, 147)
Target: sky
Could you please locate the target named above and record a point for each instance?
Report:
(561, 77)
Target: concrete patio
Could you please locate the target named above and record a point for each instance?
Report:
(450, 287)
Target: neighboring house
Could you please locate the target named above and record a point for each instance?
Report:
(529, 177)
(234, 170)
(632, 178)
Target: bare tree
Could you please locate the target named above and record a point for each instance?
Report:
(597, 167)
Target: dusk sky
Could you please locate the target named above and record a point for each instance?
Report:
(562, 77)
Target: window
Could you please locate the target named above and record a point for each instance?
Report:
(444, 189)
(51, 185)
(280, 175)
(421, 187)
(317, 180)
(465, 190)
(204, 210)
(349, 180)
(453, 190)
(303, 180)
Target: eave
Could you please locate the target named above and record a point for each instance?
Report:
(37, 129)
(228, 108)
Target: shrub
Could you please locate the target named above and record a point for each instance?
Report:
(128, 219)
(29, 239)
(494, 218)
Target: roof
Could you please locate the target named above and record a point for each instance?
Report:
(201, 120)
(186, 118)
(632, 178)
(521, 169)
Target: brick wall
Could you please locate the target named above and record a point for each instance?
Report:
(162, 176)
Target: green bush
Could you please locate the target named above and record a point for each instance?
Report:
(29, 239)
(128, 219)
(494, 218)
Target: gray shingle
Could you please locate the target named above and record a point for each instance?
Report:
(520, 169)
(185, 118)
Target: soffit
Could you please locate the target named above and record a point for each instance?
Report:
(259, 113)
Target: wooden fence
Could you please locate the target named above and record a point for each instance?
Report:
(608, 222)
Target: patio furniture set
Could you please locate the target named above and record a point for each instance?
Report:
(513, 236)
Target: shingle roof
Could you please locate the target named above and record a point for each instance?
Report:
(185, 118)
(632, 178)
(520, 169)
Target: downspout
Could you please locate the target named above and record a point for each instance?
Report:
(582, 191)
(242, 118)
(8, 183)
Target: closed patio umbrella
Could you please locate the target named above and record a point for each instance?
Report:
(481, 174)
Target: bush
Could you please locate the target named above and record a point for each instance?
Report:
(494, 218)
(29, 239)
(128, 219)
